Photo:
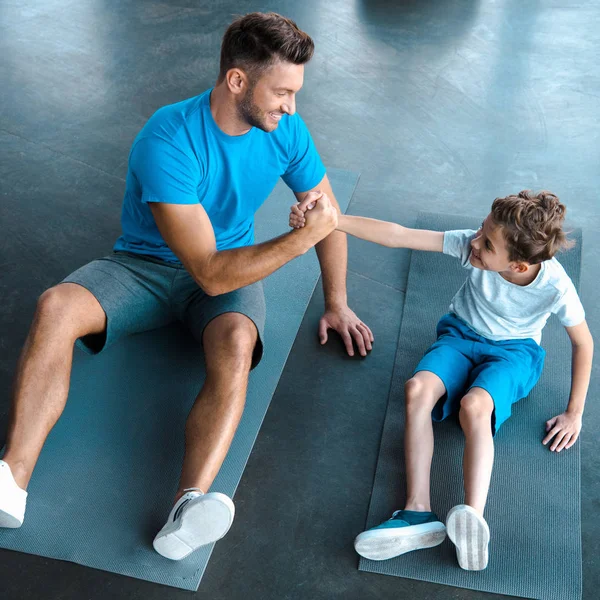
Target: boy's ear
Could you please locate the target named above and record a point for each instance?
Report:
(519, 267)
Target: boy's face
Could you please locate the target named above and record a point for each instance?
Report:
(489, 251)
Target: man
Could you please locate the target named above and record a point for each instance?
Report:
(198, 171)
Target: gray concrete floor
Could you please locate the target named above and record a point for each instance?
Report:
(440, 106)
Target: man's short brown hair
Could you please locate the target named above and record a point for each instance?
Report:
(532, 225)
(256, 41)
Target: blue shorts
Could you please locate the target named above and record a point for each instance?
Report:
(463, 359)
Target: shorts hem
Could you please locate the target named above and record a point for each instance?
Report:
(257, 352)
(91, 348)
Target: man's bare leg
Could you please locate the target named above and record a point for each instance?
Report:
(422, 392)
(199, 518)
(41, 386)
(229, 342)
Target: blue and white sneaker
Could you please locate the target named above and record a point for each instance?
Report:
(406, 531)
(196, 519)
(470, 533)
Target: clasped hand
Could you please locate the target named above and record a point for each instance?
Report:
(316, 213)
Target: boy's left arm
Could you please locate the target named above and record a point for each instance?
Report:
(564, 428)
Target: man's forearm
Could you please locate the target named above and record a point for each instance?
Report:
(230, 270)
(333, 258)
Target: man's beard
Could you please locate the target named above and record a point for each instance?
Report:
(250, 113)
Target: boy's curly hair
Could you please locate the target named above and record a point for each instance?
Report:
(532, 225)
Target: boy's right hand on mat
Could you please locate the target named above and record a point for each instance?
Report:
(564, 430)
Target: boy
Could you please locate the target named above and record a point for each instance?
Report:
(487, 356)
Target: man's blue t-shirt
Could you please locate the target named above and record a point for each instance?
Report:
(182, 157)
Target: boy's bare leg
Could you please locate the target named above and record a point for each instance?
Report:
(475, 418)
(415, 527)
(422, 392)
(64, 313)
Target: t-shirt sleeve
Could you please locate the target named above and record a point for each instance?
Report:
(305, 169)
(164, 172)
(457, 243)
(568, 308)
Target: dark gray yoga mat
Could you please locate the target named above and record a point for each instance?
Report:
(105, 481)
(534, 503)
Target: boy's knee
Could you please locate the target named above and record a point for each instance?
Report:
(414, 390)
(417, 395)
(476, 406)
(412, 387)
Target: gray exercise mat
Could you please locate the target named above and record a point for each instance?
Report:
(534, 502)
(105, 481)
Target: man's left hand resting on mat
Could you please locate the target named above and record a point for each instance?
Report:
(198, 172)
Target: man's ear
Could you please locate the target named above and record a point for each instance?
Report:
(237, 81)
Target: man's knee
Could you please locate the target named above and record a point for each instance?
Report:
(71, 310)
(230, 338)
(476, 406)
(51, 304)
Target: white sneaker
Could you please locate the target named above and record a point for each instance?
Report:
(196, 519)
(12, 499)
(471, 535)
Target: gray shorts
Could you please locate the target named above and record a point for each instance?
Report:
(139, 293)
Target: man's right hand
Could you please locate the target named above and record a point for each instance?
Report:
(320, 216)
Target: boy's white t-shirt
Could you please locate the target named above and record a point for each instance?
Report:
(499, 310)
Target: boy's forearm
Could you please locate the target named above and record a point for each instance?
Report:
(372, 230)
(581, 368)
(391, 234)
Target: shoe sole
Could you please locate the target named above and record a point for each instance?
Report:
(383, 544)
(9, 521)
(469, 532)
(10, 504)
(202, 523)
